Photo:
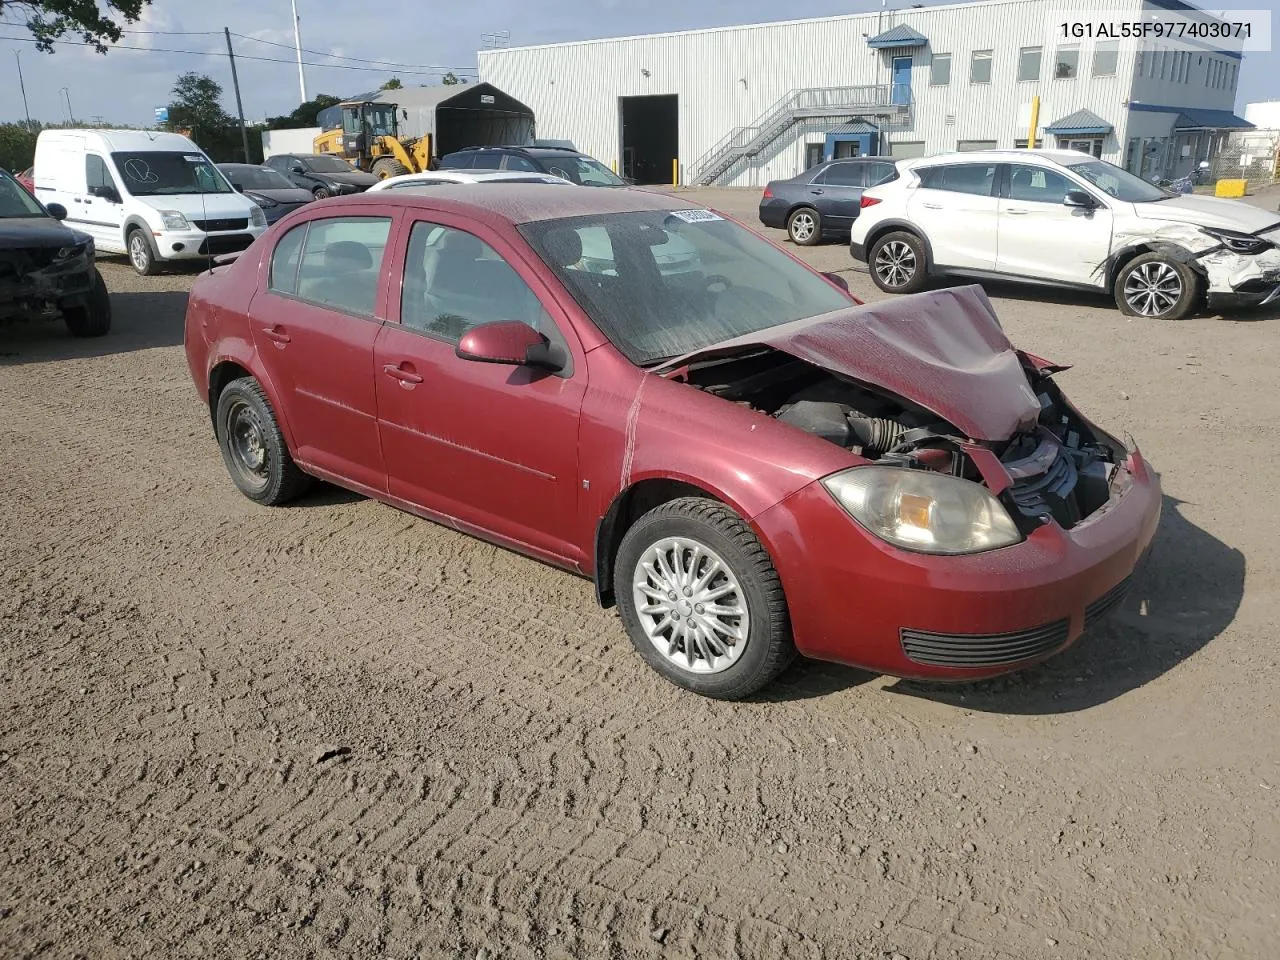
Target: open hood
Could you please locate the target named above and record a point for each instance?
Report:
(943, 350)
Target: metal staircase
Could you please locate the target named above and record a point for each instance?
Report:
(876, 101)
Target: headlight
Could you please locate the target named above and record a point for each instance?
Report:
(256, 217)
(67, 253)
(174, 220)
(924, 511)
(1237, 242)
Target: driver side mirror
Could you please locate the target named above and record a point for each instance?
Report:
(57, 211)
(110, 194)
(297, 168)
(1078, 198)
(510, 342)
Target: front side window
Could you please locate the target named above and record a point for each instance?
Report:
(1066, 65)
(321, 163)
(1106, 56)
(975, 178)
(1029, 63)
(15, 201)
(381, 120)
(260, 178)
(454, 281)
(520, 163)
(582, 170)
(154, 173)
(940, 70)
(1030, 184)
(663, 283)
(333, 263)
(96, 174)
(980, 67)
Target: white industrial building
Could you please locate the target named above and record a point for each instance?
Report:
(743, 105)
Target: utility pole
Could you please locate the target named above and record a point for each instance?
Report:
(297, 45)
(235, 82)
(67, 93)
(17, 56)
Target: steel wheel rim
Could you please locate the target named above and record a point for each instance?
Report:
(802, 226)
(245, 440)
(895, 263)
(138, 252)
(691, 605)
(1152, 289)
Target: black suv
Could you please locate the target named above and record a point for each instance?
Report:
(47, 268)
(557, 161)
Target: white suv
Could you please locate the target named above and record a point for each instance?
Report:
(1062, 218)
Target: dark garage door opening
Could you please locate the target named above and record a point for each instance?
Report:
(650, 137)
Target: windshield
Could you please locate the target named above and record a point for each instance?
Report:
(16, 202)
(381, 120)
(586, 171)
(259, 178)
(320, 164)
(1117, 182)
(663, 283)
(156, 173)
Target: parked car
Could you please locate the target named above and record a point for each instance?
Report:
(565, 162)
(153, 196)
(322, 175)
(46, 268)
(268, 188)
(1062, 218)
(27, 179)
(436, 178)
(749, 466)
(822, 203)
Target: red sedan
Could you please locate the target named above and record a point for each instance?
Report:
(747, 460)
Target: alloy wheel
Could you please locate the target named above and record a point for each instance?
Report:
(1152, 289)
(138, 253)
(895, 263)
(691, 605)
(802, 227)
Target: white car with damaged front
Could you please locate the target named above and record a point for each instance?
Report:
(1062, 218)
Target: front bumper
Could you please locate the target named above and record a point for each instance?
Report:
(1250, 279)
(856, 600)
(25, 292)
(192, 244)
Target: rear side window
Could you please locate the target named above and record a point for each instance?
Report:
(976, 178)
(96, 173)
(519, 163)
(486, 159)
(458, 161)
(334, 263)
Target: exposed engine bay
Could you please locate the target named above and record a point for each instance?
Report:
(1060, 467)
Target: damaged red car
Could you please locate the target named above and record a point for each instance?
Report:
(745, 459)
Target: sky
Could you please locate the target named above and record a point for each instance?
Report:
(125, 85)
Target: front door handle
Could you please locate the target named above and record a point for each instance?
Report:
(815, 191)
(404, 373)
(932, 206)
(277, 335)
(1017, 213)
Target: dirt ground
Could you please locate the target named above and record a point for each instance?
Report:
(334, 730)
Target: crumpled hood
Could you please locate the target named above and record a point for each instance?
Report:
(29, 233)
(943, 350)
(1209, 212)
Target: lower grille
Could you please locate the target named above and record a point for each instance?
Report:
(215, 226)
(1105, 604)
(234, 243)
(982, 649)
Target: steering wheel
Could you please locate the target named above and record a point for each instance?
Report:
(718, 280)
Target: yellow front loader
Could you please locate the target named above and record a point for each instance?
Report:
(369, 138)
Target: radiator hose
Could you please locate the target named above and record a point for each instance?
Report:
(876, 434)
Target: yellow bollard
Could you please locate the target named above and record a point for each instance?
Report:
(675, 171)
(1035, 120)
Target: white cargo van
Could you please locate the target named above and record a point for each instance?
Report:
(154, 196)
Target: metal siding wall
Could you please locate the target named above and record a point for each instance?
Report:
(574, 88)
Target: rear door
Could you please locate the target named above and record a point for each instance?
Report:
(956, 208)
(1042, 238)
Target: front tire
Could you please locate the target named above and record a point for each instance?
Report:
(320, 193)
(897, 263)
(701, 600)
(94, 318)
(253, 448)
(141, 255)
(804, 226)
(1156, 286)
(388, 167)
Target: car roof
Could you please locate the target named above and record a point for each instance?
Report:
(1004, 155)
(240, 166)
(524, 202)
(463, 175)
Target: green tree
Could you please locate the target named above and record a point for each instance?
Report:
(450, 79)
(197, 106)
(51, 20)
(304, 115)
(392, 84)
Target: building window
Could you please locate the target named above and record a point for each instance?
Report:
(1029, 63)
(907, 148)
(940, 70)
(1105, 58)
(1067, 62)
(980, 67)
(1089, 145)
(967, 146)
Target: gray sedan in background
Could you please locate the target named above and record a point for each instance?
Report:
(821, 203)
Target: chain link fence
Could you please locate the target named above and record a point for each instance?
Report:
(1253, 155)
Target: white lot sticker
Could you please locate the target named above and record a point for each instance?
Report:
(193, 158)
(696, 216)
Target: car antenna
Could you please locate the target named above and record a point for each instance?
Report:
(204, 212)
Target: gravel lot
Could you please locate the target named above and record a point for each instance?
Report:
(336, 730)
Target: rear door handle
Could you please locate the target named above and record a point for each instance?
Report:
(932, 206)
(407, 377)
(1017, 213)
(277, 335)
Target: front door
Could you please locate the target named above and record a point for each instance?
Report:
(956, 208)
(314, 328)
(1041, 237)
(493, 446)
(901, 80)
(100, 217)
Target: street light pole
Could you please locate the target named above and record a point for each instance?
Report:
(17, 56)
(297, 45)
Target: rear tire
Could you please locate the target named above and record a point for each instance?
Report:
(94, 318)
(1156, 286)
(320, 193)
(142, 256)
(896, 262)
(388, 167)
(253, 448)
(727, 591)
(804, 226)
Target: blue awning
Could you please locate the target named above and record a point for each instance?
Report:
(1079, 124)
(900, 37)
(854, 127)
(1194, 118)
